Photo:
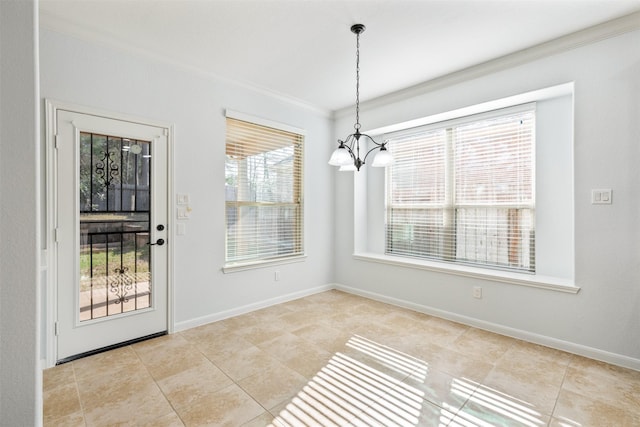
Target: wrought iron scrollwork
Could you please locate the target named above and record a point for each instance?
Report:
(107, 168)
(121, 285)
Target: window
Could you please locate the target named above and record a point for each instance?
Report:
(263, 187)
(464, 191)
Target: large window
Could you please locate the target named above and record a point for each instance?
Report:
(464, 191)
(263, 186)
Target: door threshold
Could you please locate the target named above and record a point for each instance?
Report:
(109, 347)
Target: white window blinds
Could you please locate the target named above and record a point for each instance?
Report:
(263, 187)
(463, 191)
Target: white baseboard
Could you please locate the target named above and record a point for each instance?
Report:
(574, 348)
(578, 349)
(214, 317)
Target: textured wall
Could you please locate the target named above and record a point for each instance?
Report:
(20, 386)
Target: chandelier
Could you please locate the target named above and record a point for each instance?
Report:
(347, 155)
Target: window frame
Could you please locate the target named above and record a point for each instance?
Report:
(555, 260)
(449, 204)
(298, 254)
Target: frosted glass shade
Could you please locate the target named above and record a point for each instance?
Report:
(382, 159)
(340, 157)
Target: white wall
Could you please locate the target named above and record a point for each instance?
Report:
(112, 79)
(553, 182)
(20, 375)
(602, 319)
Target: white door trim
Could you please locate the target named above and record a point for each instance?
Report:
(50, 255)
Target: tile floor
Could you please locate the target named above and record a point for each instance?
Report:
(334, 359)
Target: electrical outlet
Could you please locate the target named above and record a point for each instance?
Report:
(477, 292)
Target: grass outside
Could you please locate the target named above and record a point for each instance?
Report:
(139, 263)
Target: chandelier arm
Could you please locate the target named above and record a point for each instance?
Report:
(368, 152)
(348, 145)
(377, 147)
(378, 144)
(350, 151)
(348, 142)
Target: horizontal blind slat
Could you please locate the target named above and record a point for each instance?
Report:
(263, 172)
(464, 193)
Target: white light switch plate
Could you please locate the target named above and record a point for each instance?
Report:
(601, 197)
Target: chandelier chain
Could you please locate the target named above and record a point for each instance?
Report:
(357, 125)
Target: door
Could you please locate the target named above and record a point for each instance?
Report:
(111, 231)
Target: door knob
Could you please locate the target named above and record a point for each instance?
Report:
(158, 242)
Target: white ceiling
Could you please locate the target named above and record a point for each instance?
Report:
(303, 49)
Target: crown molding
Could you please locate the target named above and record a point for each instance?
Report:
(571, 41)
(87, 33)
(590, 35)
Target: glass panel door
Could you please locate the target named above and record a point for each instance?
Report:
(112, 231)
(115, 194)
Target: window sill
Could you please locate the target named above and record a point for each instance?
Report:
(543, 282)
(233, 268)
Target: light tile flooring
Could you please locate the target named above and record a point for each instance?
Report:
(334, 359)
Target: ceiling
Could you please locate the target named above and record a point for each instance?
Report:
(303, 49)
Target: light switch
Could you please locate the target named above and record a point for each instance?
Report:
(182, 199)
(601, 196)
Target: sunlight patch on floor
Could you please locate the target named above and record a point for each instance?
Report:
(371, 387)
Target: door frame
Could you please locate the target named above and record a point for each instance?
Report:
(49, 270)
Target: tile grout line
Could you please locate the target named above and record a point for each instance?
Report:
(233, 381)
(75, 382)
(159, 388)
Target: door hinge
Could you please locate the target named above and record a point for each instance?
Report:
(55, 329)
(165, 131)
(55, 141)
(55, 235)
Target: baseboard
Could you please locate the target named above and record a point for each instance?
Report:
(570, 347)
(214, 317)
